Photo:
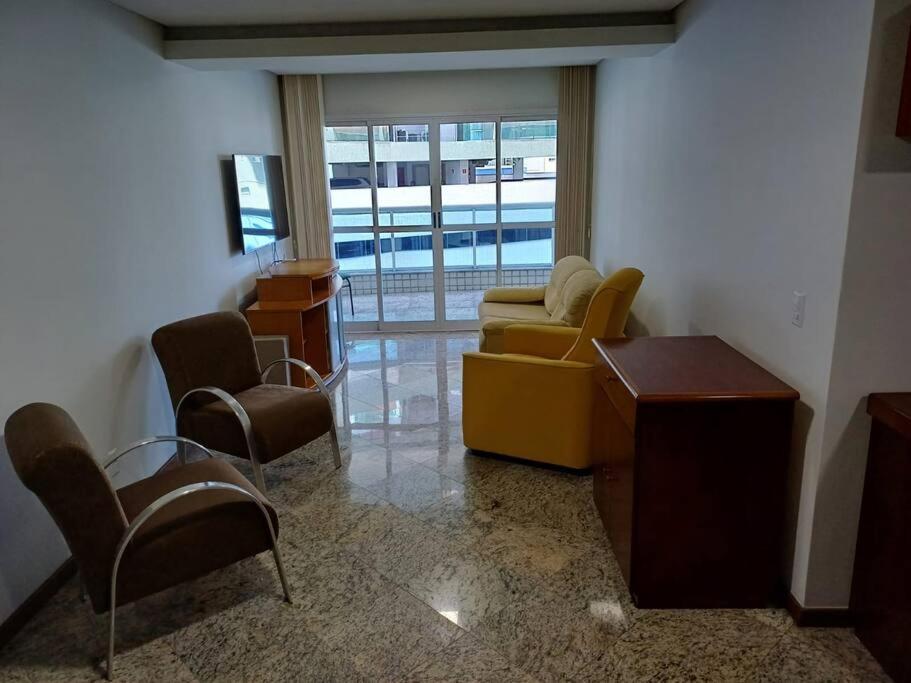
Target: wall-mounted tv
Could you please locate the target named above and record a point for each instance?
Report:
(262, 213)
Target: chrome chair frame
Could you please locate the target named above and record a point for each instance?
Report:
(247, 426)
(323, 389)
(346, 282)
(165, 500)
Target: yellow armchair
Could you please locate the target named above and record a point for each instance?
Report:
(534, 401)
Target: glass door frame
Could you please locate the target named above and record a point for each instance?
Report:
(437, 227)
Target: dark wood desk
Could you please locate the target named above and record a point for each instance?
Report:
(881, 592)
(692, 441)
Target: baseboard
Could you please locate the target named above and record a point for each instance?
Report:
(33, 603)
(818, 616)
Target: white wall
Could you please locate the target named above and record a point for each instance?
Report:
(724, 168)
(873, 334)
(435, 93)
(113, 223)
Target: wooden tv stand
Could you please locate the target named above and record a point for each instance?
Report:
(299, 300)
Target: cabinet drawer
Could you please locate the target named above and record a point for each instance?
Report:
(618, 394)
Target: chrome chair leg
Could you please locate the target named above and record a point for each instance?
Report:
(350, 292)
(242, 418)
(336, 452)
(321, 387)
(182, 452)
(109, 674)
(258, 477)
(276, 554)
(150, 510)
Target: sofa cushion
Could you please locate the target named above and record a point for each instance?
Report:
(563, 270)
(489, 309)
(577, 295)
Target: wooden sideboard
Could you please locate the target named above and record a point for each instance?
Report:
(299, 300)
(903, 129)
(692, 441)
(881, 590)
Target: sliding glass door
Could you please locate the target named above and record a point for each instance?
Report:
(427, 214)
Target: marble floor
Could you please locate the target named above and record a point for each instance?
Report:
(418, 562)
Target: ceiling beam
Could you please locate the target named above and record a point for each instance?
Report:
(380, 28)
(209, 44)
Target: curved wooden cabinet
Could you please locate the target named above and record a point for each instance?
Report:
(299, 300)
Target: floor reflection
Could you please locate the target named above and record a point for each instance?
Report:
(404, 390)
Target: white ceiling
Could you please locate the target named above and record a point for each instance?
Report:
(225, 12)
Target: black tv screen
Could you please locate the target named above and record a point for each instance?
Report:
(263, 217)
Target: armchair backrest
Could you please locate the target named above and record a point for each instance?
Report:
(607, 313)
(565, 268)
(53, 460)
(215, 349)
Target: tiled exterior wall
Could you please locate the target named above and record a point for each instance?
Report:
(456, 280)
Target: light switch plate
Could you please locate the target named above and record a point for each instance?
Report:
(798, 308)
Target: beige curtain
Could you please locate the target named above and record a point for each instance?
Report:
(575, 150)
(305, 165)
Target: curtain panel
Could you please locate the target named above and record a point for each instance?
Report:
(575, 152)
(305, 165)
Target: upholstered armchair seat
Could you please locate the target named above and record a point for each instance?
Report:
(181, 523)
(220, 399)
(282, 419)
(192, 536)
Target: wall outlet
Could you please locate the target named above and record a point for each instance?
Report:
(798, 308)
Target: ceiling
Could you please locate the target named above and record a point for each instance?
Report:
(238, 12)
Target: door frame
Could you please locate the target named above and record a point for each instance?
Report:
(437, 229)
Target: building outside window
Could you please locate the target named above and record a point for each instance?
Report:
(458, 206)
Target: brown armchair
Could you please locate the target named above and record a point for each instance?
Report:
(184, 522)
(220, 398)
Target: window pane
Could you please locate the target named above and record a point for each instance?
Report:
(529, 170)
(357, 263)
(406, 259)
(348, 160)
(469, 174)
(469, 268)
(528, 247)
(527, 257)
(402, 174)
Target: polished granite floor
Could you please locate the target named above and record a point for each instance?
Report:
(419, 562)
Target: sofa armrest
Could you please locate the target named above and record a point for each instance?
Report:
(544, 341)
(515, 295)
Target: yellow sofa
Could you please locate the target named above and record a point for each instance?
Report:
(534, 401)
(562, 303)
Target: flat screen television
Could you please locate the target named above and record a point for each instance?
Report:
(262, 213)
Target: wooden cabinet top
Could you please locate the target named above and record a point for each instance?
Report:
(664, 369)
(892, 409)
(313, 268)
